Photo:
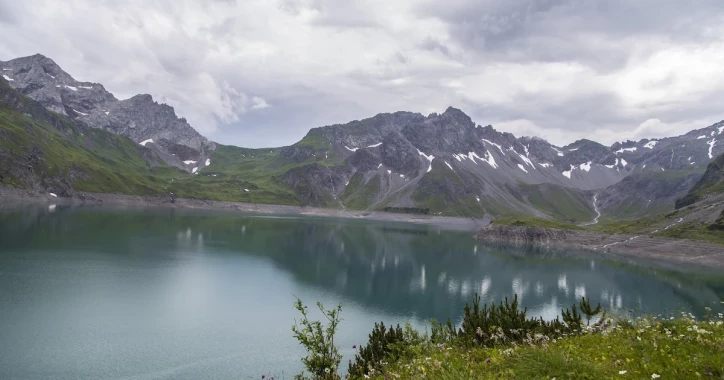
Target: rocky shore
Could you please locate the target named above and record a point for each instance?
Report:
(675, 252)
(8, 194)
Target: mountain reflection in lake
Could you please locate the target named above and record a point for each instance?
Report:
(94, 291)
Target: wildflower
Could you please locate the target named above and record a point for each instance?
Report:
(262, 376)
(655, 376)
(622, 372)
(326, 370)
(487, 360)
(354, 346)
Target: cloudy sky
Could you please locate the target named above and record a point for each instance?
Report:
(261, 73)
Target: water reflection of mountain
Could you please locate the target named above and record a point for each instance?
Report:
(404, 269)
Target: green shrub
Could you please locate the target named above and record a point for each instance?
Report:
(323, 357)
(370, 357)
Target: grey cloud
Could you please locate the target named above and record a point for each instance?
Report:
(432, 44)
(599, 33)
(320, 62)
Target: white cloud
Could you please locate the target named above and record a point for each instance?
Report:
(558, 70)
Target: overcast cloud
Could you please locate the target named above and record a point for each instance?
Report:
(261, 73)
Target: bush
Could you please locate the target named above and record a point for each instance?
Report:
(323, 357)
(379, 347)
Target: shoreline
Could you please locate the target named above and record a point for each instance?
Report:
(448, 222)
(667, 251)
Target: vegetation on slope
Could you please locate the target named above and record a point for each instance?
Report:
(534, 222)
(711, 183)
(499, 341)
(45, 149)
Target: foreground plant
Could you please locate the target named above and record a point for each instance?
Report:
(323, 357)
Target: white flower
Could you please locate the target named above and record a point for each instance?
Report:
(326, 370)
(655, 376)
(622, 372)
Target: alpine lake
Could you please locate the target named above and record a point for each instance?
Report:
(101, 292)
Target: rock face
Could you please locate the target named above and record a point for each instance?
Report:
(138, 118)
(446, 162)
(441, 162)
(522, 235)
(712, 182)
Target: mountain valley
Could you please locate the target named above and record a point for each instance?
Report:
(442, 164)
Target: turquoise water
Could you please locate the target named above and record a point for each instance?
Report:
(104, 293)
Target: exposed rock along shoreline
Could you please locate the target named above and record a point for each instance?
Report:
(8, 194)
(645, 246)
(632, 246)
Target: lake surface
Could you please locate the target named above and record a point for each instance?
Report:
(103, 293)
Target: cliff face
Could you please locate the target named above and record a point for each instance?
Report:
(522, 235)
(139, 118)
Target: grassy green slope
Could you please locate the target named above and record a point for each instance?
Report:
(643, 349)
(711, 183)
(41, 148)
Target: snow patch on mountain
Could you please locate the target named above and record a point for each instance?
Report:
(448, 165)
(495, 145)
(78, 112)
(472, 156)
(651, 144)
(586, 166)
(351, 149)
(189, 162)
(71, 88)
(144, 142)
(7, 78)
(208, 162)
(522, 168)
(568, 172)
(373, 145)
(490, 160)
(524, 158)
(429, 158)
(711, 147)
(626, 150)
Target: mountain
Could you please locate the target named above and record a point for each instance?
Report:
(440, 163)
(712, 182)
(448, 164)
(45, 151)
(139, 118)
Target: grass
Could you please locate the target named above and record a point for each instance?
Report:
(711, 183)
(534, 222)
(559, 203)
(694, 231)
(444, 192)
(679, 348)
(359, 196)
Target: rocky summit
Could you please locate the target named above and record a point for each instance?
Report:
(447, 162)
(443, 164)
(139, 118)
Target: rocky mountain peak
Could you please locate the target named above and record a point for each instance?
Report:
(456, 115)
(140, 118)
